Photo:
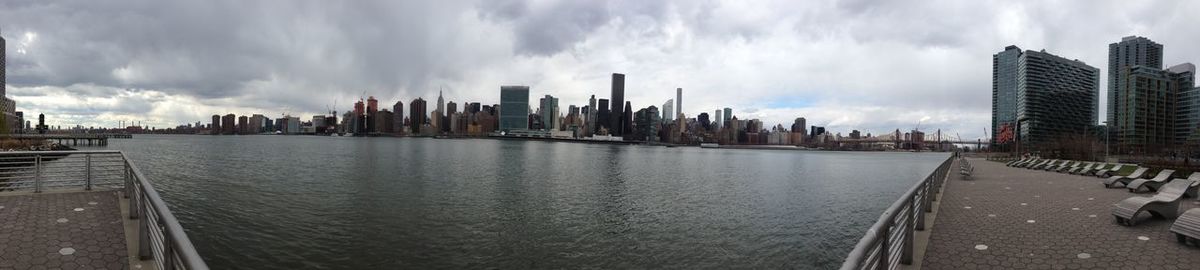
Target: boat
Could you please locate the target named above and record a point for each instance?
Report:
(710, 145)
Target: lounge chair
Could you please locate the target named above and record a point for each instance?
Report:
(1084, 168)
(1111, 171)
(1165, 204)
(1076, 165)
(1043, 164)
(1187, 227)
(1092, 169)
(1055, 166)
(1027, 163)
(1015, 161)
(1124, 180)
(1051, 164)
(965, 169)
(1151, 184)
(1064, 166)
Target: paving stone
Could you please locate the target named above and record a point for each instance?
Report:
(46, 231)
(1073, 218)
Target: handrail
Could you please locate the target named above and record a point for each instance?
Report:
(878, 247)
(171, 249)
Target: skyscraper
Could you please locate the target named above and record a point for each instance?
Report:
(668, 111)
(678, 101)
(1055, 96)
(1131, 51)
(718, 119)
(228, 124)
(1004, 92)
(1150, 109)
(451, 108)
(603, 117)
(627, 120)
(1187, 115)
(398, 116)
(514, 108)
(416, 115)
(728, 115)
(441, 104)
(617, 113)
(369, 117)
(243, 125)
(215, 127)
(591, 116)
(549, 109)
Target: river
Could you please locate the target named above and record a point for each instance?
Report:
(307, 202)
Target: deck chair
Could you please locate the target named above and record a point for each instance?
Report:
(1124, 180)
(1044, 164)
(1026, 163)
(1111, 171)
(1095, 167)
(1151, 184)
(1085, 167)
(1014, 162)
(1165, 204)
(1065, 166)
(1187, 227)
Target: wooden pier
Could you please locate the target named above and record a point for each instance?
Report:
(63, 139)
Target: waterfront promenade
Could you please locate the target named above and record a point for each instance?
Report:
(1014, 218)
(85, 210)
(69, 230)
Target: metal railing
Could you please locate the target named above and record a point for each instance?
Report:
(160, 237)
(889, 242)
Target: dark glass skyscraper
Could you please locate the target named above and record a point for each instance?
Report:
(416, 115)
(514, 108)
(1004, 90)
(627, 120)
(1054, 96)
(617, 113)
(603, 117)
(1123, 56)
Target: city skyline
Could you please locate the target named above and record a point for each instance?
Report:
(764, 63)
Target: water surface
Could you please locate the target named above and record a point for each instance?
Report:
(288, 202)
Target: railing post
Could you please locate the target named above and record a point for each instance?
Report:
(143, 229)
(168, 259)
(128, 178)
(924, 208)
(906, 252)
(884, 246)
(37, 174)
(88, 171)
(930, 190)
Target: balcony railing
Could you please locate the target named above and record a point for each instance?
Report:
(160, 237)
(889, 242)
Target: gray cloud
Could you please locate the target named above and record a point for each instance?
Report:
(868, 65)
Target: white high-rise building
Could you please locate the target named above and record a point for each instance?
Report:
(668, 112)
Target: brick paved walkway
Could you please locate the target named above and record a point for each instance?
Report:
(77, 230)
(1010, 218)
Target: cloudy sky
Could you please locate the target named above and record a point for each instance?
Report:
(868, 65)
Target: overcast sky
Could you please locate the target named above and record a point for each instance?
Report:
(870, 65)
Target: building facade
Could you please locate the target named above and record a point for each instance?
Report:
(548, 107)
(1150, 111)
(416, 116)
(617, 112)
(1129, 52)
(514, 108)
(1004, 91)
(1055, 97)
